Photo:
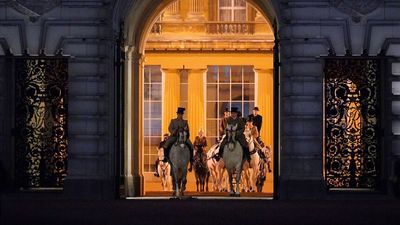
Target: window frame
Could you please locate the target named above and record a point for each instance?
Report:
(251, 102)
(232, 9)
(148, 152)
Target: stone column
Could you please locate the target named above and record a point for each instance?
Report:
(196, 10)
(196, 103)
(264, 100)
(172, 13)
(134, 181)
(171, 95)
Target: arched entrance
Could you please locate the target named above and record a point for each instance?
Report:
(139, 26)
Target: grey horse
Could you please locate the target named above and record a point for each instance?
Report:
(233, 158)
(179, 157)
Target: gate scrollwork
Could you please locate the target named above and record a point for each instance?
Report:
(352, 93)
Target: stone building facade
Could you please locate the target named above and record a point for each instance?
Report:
(89, 31)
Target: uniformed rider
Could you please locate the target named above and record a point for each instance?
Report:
(233, 120)
(174, 127)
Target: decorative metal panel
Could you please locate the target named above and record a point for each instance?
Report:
(352, 93)
(41, 121)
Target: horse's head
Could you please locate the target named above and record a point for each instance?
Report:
(247, 134)
(231, 135)
(198, 148)
(160, 153)
(182, 136)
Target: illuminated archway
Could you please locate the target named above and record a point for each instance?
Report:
(139, 23)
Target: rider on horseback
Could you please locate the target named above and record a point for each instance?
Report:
(174, 127)
(233, 120)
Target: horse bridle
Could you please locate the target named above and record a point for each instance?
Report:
(182, 134)
(231, 133)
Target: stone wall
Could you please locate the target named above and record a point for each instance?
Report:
(83, 30)
(308, 29)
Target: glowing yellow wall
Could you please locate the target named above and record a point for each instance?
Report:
(196, 65)
(171, 96)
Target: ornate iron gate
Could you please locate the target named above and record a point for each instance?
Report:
(40, 121)
(352, 124)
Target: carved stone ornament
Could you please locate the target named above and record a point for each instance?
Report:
(356, 8)
(33, 8)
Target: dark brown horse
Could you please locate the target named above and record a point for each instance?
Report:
(200, 168)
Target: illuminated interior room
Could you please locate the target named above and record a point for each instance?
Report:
(205, 56)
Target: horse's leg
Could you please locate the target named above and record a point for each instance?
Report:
(217, 178)
(202, 178)
(231, 192)
(197, 181)
(159, 171)
(251, 173)
(254, 178)
(257, 171)
(184, 180)
(174, 182)
(220, 176)
(179, 189)
(207, 179)
(214, 180)
(238, 176)
(162, 175)
(168, 176)
(243, 183)
(225, 180)
(210, 169)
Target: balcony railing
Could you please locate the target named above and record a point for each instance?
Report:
(212, 28)
(229, 28)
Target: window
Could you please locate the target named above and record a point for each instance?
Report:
(232, 10)
(227, 86)
(152, 114)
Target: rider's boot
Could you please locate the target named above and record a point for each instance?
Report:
(190, 166)
(191, 159)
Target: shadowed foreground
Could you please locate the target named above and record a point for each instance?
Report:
(198, 211)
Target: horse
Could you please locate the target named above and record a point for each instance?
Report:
(254, 162)
(212, 166)
(164, 170)
(201, 171)
(262, 175)
(263, 167)
(216, 168)
(179, 157)
(233, 158)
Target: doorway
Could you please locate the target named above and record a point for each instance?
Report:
(205, 56)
